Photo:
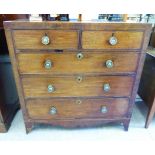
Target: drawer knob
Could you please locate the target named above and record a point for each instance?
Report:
(106, 87)
(113, 40)
(53, 111)
(45, 40)
(50, 88)
(79, 79)
(109, 64)
(104, 109)
(79, 56)
(48, 64)
(78, 101)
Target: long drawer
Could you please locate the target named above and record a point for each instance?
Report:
(101, 39)
(67, 86)
(72, 62)
(45, 39)
(77, 108)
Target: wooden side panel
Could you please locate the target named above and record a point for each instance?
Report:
(100, 39)
(70, 86)
(59, 39)
(147, 82)
(8, 34)
(69, 108)
(67, 63)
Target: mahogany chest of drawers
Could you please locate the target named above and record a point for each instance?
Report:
(76, 74)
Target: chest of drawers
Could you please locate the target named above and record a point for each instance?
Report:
(76, 74)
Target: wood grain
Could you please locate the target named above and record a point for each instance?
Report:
(85, 25)
(67, 62)
(31, 39)
(69, 86)
(100, 40)
(69, 108)
(32, 80)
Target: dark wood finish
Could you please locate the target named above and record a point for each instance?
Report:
(74, 108)
(3, 44)
(8, 94)
(89, 25)
(6, 17)
(100, 39)
(121, 86)
(32, 80)
(77, 123)
(31, 39)
(36, 62)
(147, 86)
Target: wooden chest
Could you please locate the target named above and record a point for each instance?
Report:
(76, 74)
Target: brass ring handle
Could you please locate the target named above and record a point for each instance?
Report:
(45, 40)
(53, 111)
(48, 64)
(113, 40)
(106, 87)
(80, 56)
(50, 88)
(109, 64)
(104, 109)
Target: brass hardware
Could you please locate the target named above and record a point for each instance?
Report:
(106, 87)
(78, 101)
(109, 64)
(104, 109)
(79, 56)
(53, 111)
(50, 88)
(79, 79)
(48, 64)
(113, 40)
(45, 40)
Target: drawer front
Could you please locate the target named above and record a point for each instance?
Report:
(77, 108)
(58, 39)
(100, 40)
(68, 62)
(78, 86)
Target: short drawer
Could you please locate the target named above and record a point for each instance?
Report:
(77, 86)
(45, 39)
(77, 108)
(69, 62)
(111, 40)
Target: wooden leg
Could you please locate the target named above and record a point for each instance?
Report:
(29, 127)
(126, 124)
(3, 128)
(150, 115)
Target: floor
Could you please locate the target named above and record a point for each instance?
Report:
(107, 132)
